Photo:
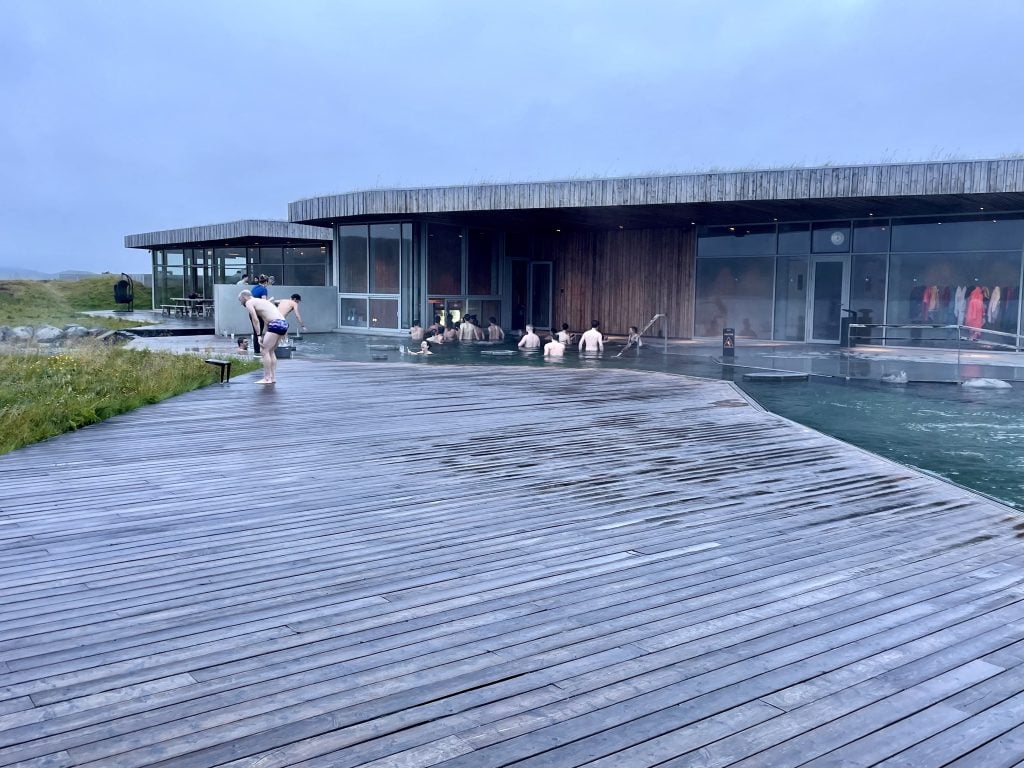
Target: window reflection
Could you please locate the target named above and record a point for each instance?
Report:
(735, 293)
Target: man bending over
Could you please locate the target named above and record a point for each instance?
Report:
(265, 311)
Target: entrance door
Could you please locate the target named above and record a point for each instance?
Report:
(540, 294)
(829, 293)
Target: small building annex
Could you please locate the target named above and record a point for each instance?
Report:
(774, 254)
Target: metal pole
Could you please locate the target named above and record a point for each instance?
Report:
(958, 333)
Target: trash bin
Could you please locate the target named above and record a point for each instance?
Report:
(728, 342)
(844, 328)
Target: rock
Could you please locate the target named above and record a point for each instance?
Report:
(47, 334)
(895, 378)
(75, 331)
(115, 337)
(19, 333)
(985, 384)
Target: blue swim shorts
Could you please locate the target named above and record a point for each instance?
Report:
(280, 327)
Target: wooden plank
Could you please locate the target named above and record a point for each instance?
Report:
(364, 606)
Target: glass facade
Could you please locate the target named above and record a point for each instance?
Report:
(179, 272)
(793, 281)
(376, 269)
(462, 274)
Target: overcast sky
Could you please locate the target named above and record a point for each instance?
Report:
(125, 116)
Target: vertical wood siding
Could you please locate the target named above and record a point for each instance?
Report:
(622, 278)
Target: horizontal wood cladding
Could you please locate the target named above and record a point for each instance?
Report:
(232, 230)
(909, 179)
(622, 278)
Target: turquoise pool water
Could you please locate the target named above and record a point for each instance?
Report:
(972, 437)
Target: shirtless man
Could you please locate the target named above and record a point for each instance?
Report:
(530, 339)
(494, 332)
(262, 310)
(286, 306)
(554, 348)
(592, 341)
(469, 331)
(563, 335)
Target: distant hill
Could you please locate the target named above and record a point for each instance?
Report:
(18, 273)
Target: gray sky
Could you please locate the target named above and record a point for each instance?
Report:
(123, 116)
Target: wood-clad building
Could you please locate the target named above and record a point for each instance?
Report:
(778, 254)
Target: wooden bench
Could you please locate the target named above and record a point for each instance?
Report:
(225, 369)
(167, 309)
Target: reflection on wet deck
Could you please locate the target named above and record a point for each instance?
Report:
(470, 566)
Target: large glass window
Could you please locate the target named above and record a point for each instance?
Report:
(871, 236)
(444, 259)
(831, 237)
(270, 264)
(790, 298)
(305, 265)
(794, 238)
(383, 313)
(481, 262)
(749, 240)
(385, 257)
(867, 291)
(352, 255)
(975, 233)
(411, 280)
(353, 312)
(734, 293)
(232, 263)
(979, 290)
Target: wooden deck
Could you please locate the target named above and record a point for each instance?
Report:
(473, 567)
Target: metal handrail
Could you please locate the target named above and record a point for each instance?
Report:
(1018, 339)
(664, 335)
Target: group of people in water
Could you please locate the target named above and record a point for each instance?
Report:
(467, 330)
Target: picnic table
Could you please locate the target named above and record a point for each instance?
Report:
(186, 307)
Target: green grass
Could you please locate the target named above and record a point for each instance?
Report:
(44, 395)
(61, 302)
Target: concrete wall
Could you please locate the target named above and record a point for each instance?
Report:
(319, 308)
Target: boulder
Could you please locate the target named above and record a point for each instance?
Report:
(75, 331)
(47, 334)
(895, 378)
(19, 333)
(985, 384)
(115, 337)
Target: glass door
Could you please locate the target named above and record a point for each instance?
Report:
(828, 293)
(540, 294)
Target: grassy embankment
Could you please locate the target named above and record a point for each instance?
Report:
(61, 302)
(44, 392)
